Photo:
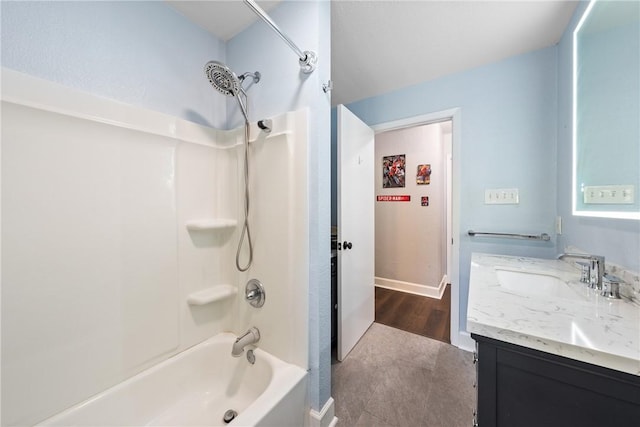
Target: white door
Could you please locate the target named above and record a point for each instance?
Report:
(356, 305)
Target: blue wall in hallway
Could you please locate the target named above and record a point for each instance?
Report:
(508, 139)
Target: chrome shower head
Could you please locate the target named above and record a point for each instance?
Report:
(222, 78)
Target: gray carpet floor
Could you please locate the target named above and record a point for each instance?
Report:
(399, 379)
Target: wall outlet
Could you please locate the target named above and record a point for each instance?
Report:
(501, 196)
(609, 194)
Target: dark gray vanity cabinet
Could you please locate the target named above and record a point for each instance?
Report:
(521, 387)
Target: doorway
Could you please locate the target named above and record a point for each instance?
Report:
(411, 211)
(412, 218)
(452, 240)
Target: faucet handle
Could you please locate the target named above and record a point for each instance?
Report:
(611, 286)
(254, 293)
(585, 271)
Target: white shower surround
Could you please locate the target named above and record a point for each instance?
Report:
(98, 261)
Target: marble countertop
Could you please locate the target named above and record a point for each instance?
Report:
(589, 327)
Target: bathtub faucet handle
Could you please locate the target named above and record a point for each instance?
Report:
(252, 336)
(254, 293)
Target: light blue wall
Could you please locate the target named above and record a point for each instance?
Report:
(284, 88)
(516, 132)
(147, 54)
(140, 53)
(508, 139)
(618, 240)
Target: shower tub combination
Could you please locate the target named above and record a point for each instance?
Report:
(196, 388)
(143, 361)
(125, 342)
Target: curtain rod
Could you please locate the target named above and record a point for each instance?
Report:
(307, 59)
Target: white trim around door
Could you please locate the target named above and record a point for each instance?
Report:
(458, 338)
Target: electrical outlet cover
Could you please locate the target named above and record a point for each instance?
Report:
(609, 194)
(501, 196)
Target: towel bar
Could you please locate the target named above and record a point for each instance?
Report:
(543, 236)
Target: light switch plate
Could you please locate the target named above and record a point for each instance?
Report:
(609, 194)
(501, 196)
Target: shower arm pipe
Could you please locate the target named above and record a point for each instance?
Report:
(307, 59)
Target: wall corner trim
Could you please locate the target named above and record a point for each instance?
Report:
(465, 342)
(326, 417)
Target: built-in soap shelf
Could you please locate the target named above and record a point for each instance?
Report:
(212, 294)
(211, 224)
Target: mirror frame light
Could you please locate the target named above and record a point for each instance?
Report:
(574, 133)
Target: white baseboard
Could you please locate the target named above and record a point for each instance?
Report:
(465, 342)
(326, 417)
(413, 288)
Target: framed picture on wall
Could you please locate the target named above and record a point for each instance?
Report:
(423, 176)
(393, 171)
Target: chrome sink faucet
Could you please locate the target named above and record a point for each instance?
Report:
(596, 267)
(252, 336)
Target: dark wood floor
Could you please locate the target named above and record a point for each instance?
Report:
(420, 315)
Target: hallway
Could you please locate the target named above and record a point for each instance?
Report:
(429, 317)
(397, 378)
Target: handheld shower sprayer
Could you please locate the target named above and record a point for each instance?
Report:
(226, 82)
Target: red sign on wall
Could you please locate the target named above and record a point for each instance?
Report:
(401, 198)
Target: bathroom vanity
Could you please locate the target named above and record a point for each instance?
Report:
(550, 350)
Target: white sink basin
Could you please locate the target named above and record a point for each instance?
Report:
(532, 283)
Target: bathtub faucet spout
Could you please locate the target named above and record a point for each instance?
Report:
(252, 336)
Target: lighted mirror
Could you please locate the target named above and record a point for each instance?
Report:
(606, 111)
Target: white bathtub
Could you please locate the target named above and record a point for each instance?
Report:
(196, 387)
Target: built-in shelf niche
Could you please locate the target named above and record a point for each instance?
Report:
(211, 224)
(212, 294)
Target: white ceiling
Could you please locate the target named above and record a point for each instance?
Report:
(381, 46)
(222, 18)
